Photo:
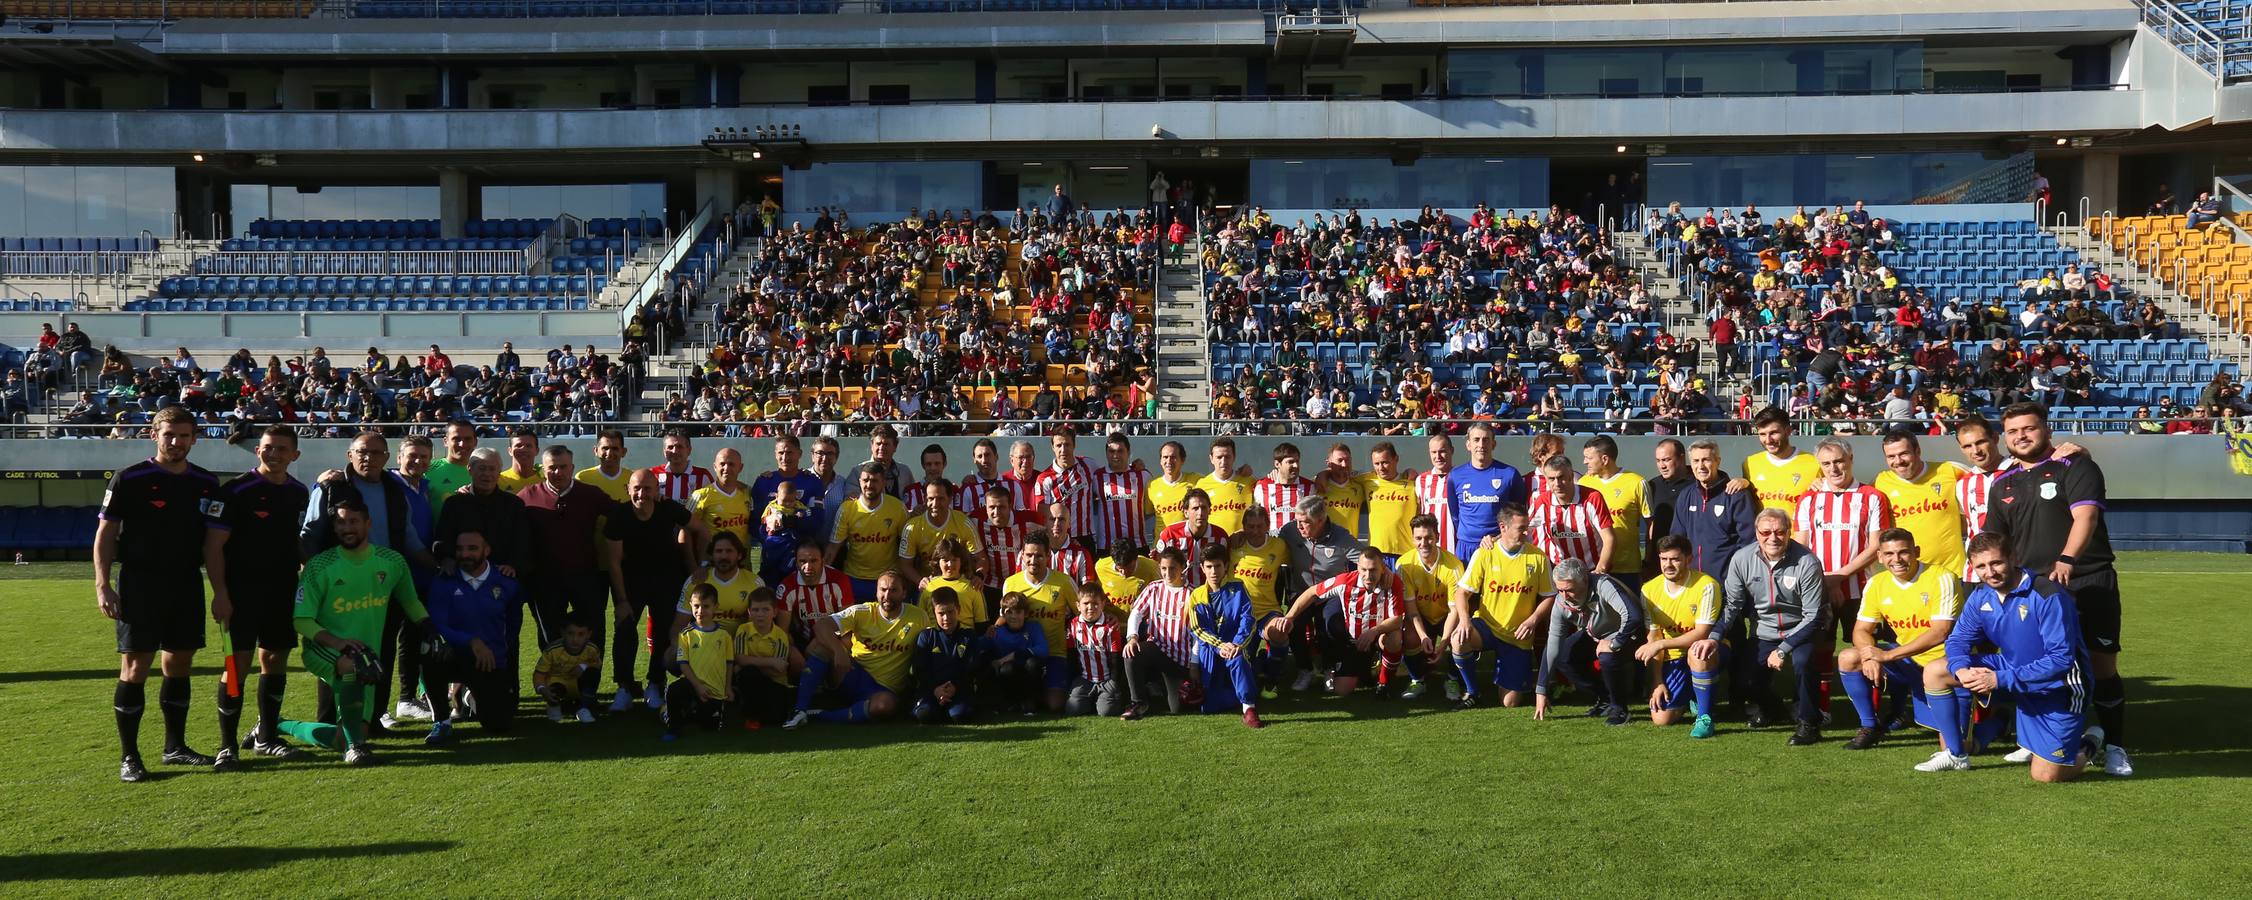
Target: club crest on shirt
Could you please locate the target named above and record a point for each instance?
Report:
(496, 592)
(2049, 491)
(381, 577)
(2022, 613)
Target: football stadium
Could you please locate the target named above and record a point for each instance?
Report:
(919, 448)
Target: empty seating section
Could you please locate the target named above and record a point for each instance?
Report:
(550, 9)
(160, 9)
(2231, 21)
(47, 527)
(2208, 264)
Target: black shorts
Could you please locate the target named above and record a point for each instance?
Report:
(264, 617)
(2097, 597)
(159, 613)
(1349, 660)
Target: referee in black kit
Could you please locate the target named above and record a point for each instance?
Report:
(2052, 510)
(152, 532)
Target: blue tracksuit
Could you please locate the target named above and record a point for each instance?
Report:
(2039, 660)
(463, 613)
(1224, 617)
(942, 657)
(1475, 496)
(778, 552)
(1716, 522)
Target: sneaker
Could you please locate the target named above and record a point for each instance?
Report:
(1944, 761)
(797, 719)
(1251, 719)
(554, 713)
(1825, 722)
(1267, 692)
(226, 761)
(1755, 716)
(1598, 711)
(2116, 763)
(653, 696)
(2091, 745)
(440, 734)
(1453, 689)
(1134, 711)
(623, 701)
(1703, 729)
(1865, 739)
(1619, 716)
(1329, 684)
(182, 756)
(388, 720)
(585, 714)
(410, 710)
(1414, 691)
(360, 756)
(130, 770)
(1806, 735)
(1468, 701)
(1304, 682)
(276, 748)
(2020, 756)
(1385, 690)
(1192, 694)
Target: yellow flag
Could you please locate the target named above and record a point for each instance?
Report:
(2240, 451)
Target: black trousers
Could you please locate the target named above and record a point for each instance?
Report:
(1804, 674)
(1150, 664)
(758, 697)
(1020, 681)
(557, 598)
(1620, 674)
(683, 708)
(496, 708)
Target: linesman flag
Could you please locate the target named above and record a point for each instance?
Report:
(2240, 450)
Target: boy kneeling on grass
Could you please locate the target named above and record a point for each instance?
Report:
(945, 657)
(764, 662)
(1016, 655)
(704, 658)
(567, 673)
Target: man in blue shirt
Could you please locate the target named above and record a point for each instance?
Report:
(2038, 660)
(470, 608)
(1477, 489)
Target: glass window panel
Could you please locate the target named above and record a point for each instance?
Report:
(1453, 183)
(883, 187)
(12, 201)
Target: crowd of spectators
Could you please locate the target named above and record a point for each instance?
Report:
(830, 306)
(1528, 302)
(572, 383)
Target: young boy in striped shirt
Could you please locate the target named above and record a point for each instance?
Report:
(1097, 640)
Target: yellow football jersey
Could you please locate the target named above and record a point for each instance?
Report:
(919, 537)
(1431, 587)
(883, 646)
(515, 482)
(614, 488)
(1926, 506)
(1674, 612)
(1163, 498)
(1052, 602)
(1625, 494)
(755, 644)
(1346, 501)
(1508, 586)
(1781, 481)
(1260, 570)
(870, 535)
(1122, 587)
(720, 511)
(1230, 497)
(971, 596)
(708, 654)
(1390, 505)
(734, 596)
(560, 664)
(1912, 608)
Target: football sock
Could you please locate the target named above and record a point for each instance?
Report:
(131, 697)
(351, 710)
(1945, 708)
(316, 734)
(857, 712)
(1700, 684)
(1466, 665)
(816, 673)
(270, 689)
(230, 716)
(172, 700)
(1862, 693)
(2111, 709)
(1416, 667)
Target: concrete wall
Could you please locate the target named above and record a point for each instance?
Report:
(164, 331)
(2175, 91)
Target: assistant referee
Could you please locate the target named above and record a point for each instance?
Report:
(152, 532)
(2053, 512)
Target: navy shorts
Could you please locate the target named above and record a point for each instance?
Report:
(859, 686)
(1060, 670)
(1679, 692)
(1513, 665)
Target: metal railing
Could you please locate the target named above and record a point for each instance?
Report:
(660, 274)
(363, 262)
(66, 263)
(2187, 34)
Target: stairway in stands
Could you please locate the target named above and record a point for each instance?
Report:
(2194, 319)
(1184, 353)
(1682, 317)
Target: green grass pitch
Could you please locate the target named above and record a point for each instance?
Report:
(1333, 799)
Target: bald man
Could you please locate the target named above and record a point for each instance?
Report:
(652, 546)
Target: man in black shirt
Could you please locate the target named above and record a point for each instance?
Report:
(1664, 490)
(2052, 510)
(254, 586)
(152, 532)
(652, 548)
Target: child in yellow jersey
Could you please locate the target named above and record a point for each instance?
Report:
(764, 660)
(953, 571)
(567, 673)
(1681, 605)
(1429, 573)
(704, 658)
(1919, 602)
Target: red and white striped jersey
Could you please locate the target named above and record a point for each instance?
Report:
(1072, 560)
(1837, 525)
(969, 496)
(1570, 530)
(677, 486)
(1192, 543)
(1162, 614)
(1971, 488)
(1071, 487)
(1365, 604)
(1120, 508)
(1431, 500)
(1026, 492)
(1002, 541)
(1281, 500)
(808, 601)
(1096, 642)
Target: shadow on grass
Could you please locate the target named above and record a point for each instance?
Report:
(188, 860)
(33, 677)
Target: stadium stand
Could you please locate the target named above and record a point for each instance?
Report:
(2207, 262)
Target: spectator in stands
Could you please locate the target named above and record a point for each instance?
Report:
(15, 398)
(2205, 210)
(2164, 204)
(75, 348)
(2223, 394)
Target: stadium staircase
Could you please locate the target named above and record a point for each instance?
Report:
(2225, 342)
(1184, 353)
(1682, 317)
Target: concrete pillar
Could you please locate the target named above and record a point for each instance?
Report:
(2099, 180)
(644, 87)
(715, 185)
(456, 202)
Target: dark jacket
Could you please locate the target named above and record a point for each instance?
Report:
(463, 613)
(1716, 522)
(499, 516)
(943, 656)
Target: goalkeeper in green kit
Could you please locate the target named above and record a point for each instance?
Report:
(343, 595)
